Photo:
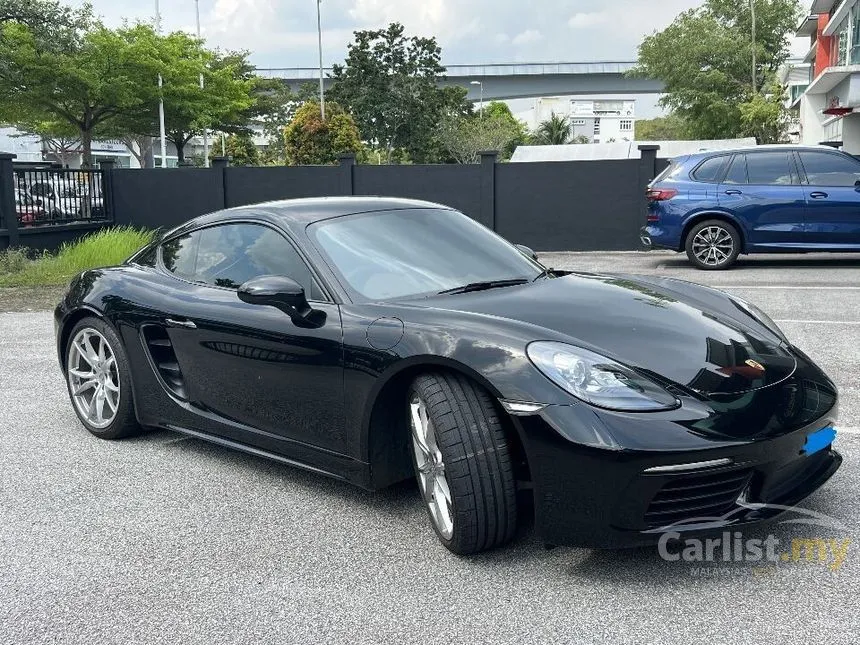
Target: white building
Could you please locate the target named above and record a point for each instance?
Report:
(829, 108)
(794, 76)
(598, 120)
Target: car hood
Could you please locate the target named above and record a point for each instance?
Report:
(695, 337)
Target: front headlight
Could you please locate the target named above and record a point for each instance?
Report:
(598, 380)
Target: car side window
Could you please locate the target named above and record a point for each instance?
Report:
(827, 169)
(231, 254)
(769, 168)
(737, 173)
(710, 170)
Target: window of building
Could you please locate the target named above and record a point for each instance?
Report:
(596, 126)
(626, 125)
(829, 169)
(579, 122)
(231, 254)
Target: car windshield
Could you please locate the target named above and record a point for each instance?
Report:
(416, 252)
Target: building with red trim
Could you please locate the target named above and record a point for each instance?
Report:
(829, 108)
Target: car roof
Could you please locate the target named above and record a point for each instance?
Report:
(763, 148)
(298, 213)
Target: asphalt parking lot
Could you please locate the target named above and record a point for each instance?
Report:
(164, 538)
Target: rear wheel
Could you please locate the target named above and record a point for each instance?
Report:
(462, 463)
(99, 380)
(713, 245)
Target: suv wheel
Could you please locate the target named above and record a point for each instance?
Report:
(713, 245)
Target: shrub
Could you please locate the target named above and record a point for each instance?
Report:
(107, 247)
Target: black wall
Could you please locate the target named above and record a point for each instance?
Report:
(455, 186)
(157, 198)
(253, 185)
(550, 206)
(575, 205)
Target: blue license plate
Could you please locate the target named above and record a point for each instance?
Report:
(819, 440)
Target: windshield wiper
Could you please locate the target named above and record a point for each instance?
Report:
(546, 273)
(483, 286)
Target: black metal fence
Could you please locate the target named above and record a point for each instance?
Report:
(551, 206)
(55, 196)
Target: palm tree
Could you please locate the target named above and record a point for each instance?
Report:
(555, 131)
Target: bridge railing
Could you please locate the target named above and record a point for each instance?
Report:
(490, 69)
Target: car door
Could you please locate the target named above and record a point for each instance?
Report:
(832, 198)
(763, 190)
(250, 363)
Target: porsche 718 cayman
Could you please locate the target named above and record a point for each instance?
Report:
(377, 339)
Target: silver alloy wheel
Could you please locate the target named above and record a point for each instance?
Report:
(431, 469)
(93, 378)
(713, 245)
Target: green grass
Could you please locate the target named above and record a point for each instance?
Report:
(106, 247)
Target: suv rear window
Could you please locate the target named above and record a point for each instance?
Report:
(670, 171)
(711, 170)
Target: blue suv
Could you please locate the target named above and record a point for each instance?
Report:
(767, 199)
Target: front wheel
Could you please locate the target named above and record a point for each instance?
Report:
(462, 463)
(99, 380)
(713, 245)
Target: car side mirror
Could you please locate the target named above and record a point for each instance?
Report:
(526, 251)
(285, 294)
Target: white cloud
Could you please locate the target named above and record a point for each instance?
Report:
(526, 37)
(282, 33)
(581, 20)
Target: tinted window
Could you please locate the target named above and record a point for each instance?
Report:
(229, 255)
(403, 253)
(710, 170)
(825, 169)
(671, 171)
(771, 168)
(737, 173)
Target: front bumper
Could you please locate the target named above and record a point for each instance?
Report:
(610, 480)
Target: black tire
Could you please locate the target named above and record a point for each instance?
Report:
(722, 234)
(476, 459)
(124, 423)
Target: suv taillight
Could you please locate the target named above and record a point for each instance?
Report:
(660, 194)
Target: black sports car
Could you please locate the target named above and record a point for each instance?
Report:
(376, 339)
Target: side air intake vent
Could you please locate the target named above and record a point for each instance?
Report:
(164, 359)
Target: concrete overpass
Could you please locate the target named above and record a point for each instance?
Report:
(516, 80)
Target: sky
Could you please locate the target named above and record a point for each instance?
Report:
(283, 33)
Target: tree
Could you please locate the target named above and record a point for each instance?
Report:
(308, 140)
(388, 83)
(463, 137)
(241, 150)
(84, 85)
(59, 138)
(555, 131)
(705, 60)
(664, 128)
(53, 24)
(189, 108)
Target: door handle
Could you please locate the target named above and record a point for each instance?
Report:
(818, 195)
(734, 192)
(184, 324)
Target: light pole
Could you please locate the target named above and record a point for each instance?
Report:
(319, 36)
(752, 15)
(161, 126)
(481, 83)
(205, 129)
